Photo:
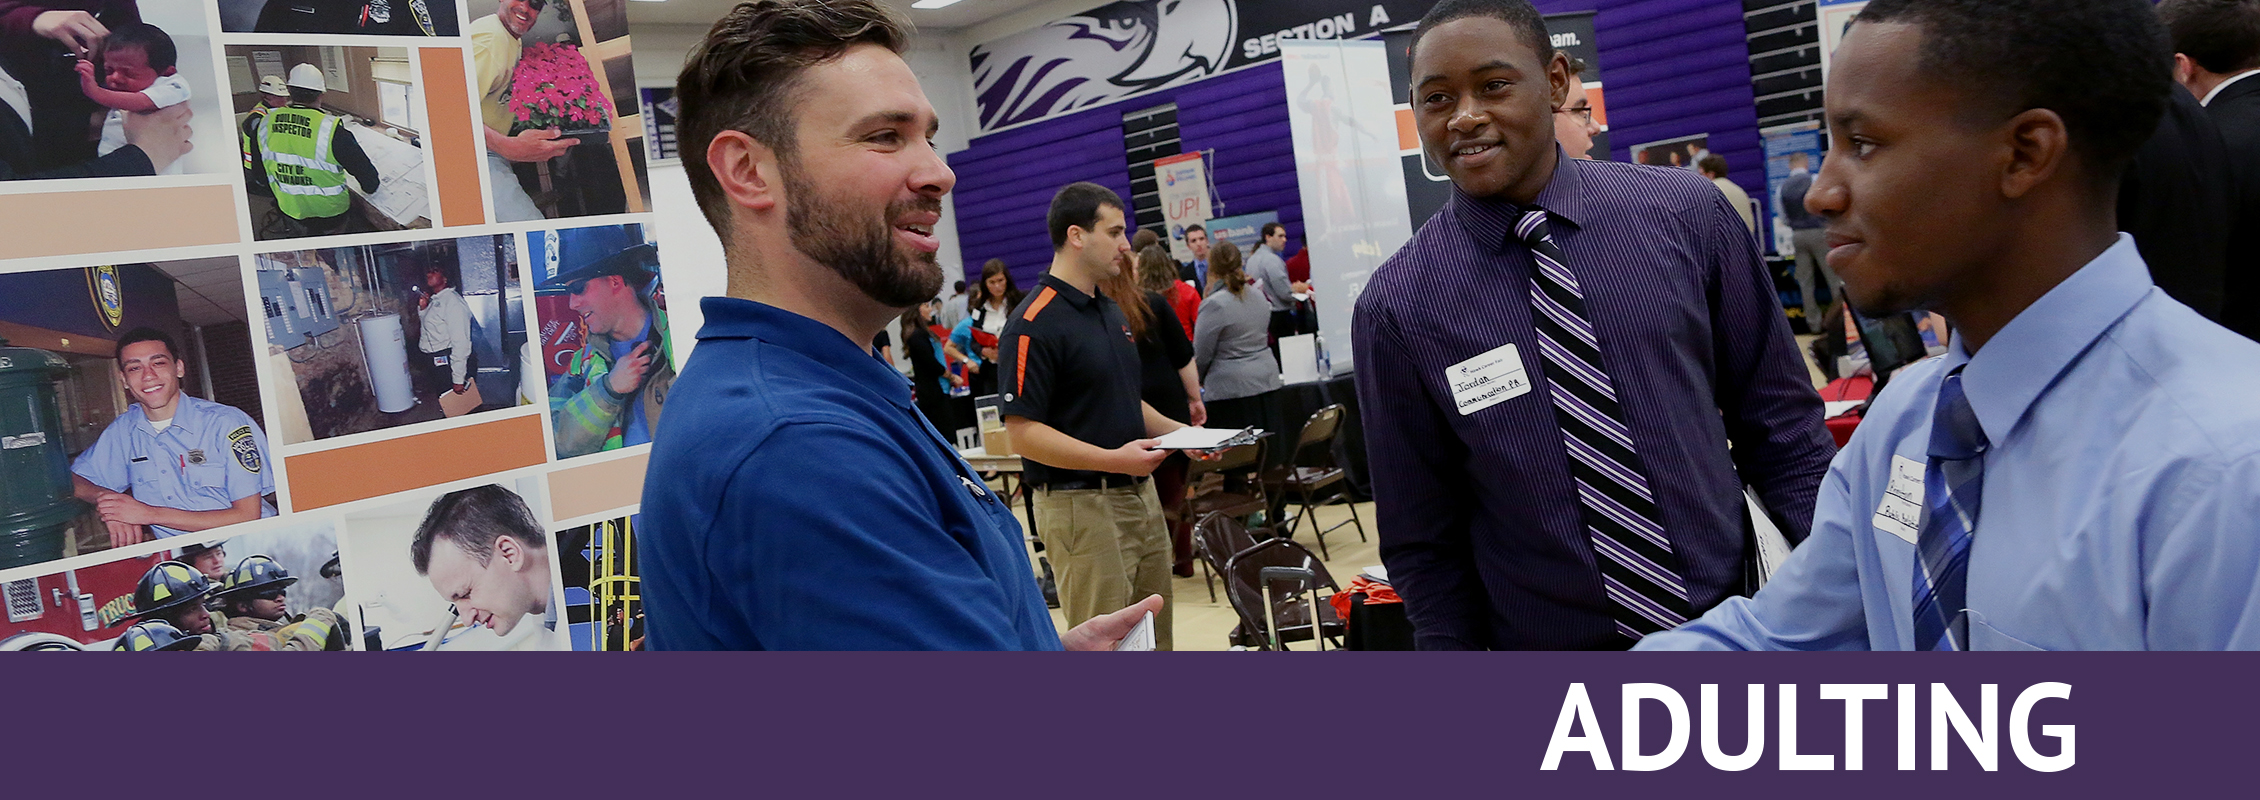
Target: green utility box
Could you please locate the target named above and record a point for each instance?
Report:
(36, 506)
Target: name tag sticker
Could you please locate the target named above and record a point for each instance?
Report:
(1901, 512)
(1487, 380)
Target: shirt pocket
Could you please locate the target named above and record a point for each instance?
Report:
(1984, 636)
(207, 479)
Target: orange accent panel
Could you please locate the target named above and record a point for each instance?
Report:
(451, 140)
(1020, 376)
(611, 485)
(354, 473)
(1043, 298)
(1408, 134)
(1600, 109)
(57, 223)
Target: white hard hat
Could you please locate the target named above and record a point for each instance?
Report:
(307, 76)
(273, 85)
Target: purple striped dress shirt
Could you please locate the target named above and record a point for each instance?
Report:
(1479, 519)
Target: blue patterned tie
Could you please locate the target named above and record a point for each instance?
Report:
(1953, 486)
(1640, 573)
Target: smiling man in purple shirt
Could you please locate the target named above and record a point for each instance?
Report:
(1554, 369)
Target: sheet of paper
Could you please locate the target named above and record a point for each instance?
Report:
(1196, 438)
(1836, 408)
(1376, 572)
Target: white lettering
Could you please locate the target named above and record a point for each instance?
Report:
(1270, 43)
(1577, 709)
(1790, 760)
(1566, 39)
(1979, 738)
(1906, 726)
(1634, 760)
(1753, 744)
(2020, 737)
(1378, 18)
(1252, 48)
(1345, 23)
(1324, 29)
(1853, 695)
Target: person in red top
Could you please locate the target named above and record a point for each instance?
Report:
(1158, 274)
(1298, 266)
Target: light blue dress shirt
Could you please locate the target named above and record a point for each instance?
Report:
(211, 456)
(2122, 490)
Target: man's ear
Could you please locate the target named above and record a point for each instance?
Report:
(1557, 78)
(2038, 147)
(747, 170)
(512, 553)
(1075, 235)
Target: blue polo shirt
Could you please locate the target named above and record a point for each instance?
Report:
(211, 456)
(797, 500)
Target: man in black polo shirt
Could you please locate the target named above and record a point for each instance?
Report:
(1071, 406)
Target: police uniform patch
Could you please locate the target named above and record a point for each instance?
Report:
(246, 449)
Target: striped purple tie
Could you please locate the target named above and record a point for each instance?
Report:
(1639, 571)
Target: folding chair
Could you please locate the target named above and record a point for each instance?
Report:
(1312, 469)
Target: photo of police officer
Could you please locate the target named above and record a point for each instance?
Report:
(604, 335)
(467, 569)
(330, 139)
(159, 429)
(281, 593)
(357, 17)
(378, 336)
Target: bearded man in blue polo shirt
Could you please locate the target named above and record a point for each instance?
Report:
(172, 464)
(798, 500)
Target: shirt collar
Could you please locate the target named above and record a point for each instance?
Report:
(186, 413)
(734, 318)
(1492, 220)
(2004, 379)
(2225, 84)
(1072, 295)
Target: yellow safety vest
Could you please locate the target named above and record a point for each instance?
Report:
(301, 166)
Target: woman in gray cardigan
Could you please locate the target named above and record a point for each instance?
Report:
(1232, 345)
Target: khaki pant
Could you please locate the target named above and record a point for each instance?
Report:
(1109, 548)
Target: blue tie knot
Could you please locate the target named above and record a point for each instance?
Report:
(1954, 431)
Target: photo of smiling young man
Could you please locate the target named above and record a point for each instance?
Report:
(173, 463)
(809, 504)
(2081, 469)
(1554, 368)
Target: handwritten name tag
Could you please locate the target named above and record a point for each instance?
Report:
(1901, 512)
(1487, 380)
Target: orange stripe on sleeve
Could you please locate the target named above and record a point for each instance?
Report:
(1043, 298)
(1020, 373)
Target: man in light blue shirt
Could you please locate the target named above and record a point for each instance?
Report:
(172, 464)
(2082, 469)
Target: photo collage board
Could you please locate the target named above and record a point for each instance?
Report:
(324, 325)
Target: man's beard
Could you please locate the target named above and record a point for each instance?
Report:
(859, 248)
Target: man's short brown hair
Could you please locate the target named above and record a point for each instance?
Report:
(745, 76)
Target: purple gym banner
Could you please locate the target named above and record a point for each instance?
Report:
(1344, 725)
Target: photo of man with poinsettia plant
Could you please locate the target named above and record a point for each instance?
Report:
(555, 138)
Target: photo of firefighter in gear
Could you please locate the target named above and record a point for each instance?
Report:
(176, 594)
(603, 335)
(255, 599)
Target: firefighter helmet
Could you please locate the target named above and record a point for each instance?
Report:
(168, 586)
(253, 573)
(38, 641)
(154, 635)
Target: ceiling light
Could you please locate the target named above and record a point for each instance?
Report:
(933, 4)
